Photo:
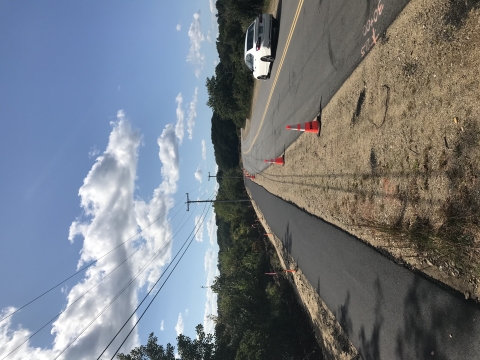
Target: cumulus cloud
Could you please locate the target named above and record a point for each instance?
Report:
(179, 127)
(11, 337)
(213, 22)
(195, 57)
(204, 150)
(212, 228)
(192, 114)
(211, 270)
(162, 326)
(93, 152)
(178, 27)
(198, 175)
(110, 216)
(179, 327)
(170, 160)
(199, 226)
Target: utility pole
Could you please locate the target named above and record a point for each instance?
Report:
(224, 177)
(211, 201)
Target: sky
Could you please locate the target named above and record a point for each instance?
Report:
(103, 131)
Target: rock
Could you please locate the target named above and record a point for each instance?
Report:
(428, 262)
(467, 295)
(455, 120)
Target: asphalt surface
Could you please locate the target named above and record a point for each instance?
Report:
(329, 38)
(387, 311)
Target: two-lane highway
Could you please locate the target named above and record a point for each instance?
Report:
(320, 43)
(388, 311)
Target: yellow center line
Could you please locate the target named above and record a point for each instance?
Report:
(292, 29)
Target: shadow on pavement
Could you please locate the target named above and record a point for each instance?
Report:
(370, 347)
(287, 239)
(427, 332)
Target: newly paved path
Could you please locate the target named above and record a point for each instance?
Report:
(388, 311)
(320, 43)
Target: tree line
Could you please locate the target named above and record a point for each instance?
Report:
(230, 88)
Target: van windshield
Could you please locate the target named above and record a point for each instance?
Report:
(250, 37)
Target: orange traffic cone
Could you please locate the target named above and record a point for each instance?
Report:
(313, 126)
(278, 161)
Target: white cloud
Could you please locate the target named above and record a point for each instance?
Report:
(179, 127)
(162, 326)
(199, 225)
(192, 114)
(195, 57)
(198, 175)
(11, 337)
(93, 152)
(178, 27)
(211, 270)
(213, 22)
(212, 229)
(110, 217)
(204, 150)
(179, 327)
(170, 160)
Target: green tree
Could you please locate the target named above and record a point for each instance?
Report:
(253, 346)
(201, 348)
(151, 351)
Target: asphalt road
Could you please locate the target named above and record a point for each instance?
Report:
(320, 43)
(388, 311)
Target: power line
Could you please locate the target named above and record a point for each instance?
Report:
(153, 287)
(115, 298)
(93, 262)
(150, 303)
(103, 278)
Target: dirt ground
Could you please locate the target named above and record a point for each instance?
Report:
(398, 159)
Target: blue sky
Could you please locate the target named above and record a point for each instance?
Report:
(103, 129)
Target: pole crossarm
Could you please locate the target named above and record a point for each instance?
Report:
(223, 177)
(212, 201)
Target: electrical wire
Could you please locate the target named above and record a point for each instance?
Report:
(151, 301)
(124, 288)
(95, 261)
(103, 278)
(116, 297)
(153, 287)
